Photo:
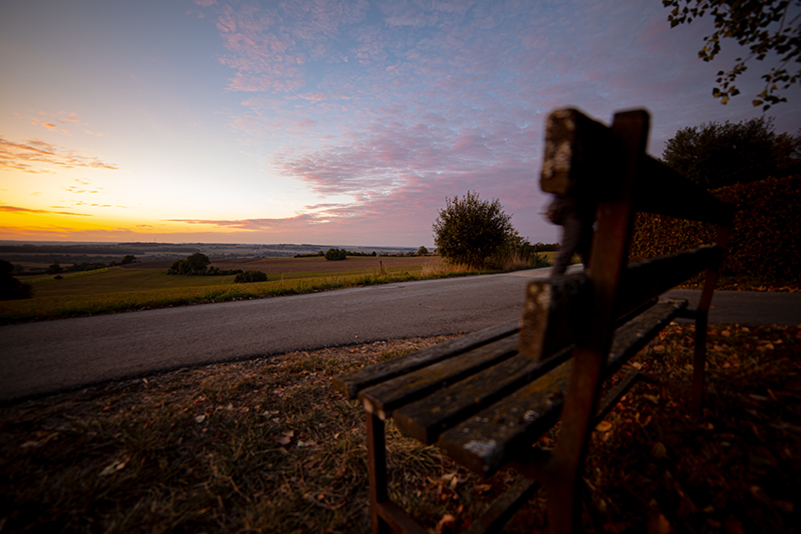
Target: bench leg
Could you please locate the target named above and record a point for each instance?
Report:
(377, 472)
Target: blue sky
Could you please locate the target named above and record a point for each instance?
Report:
(342, 122)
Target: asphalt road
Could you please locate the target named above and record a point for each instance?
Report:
(46, 357)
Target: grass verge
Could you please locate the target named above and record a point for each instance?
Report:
(121, 290)
(267, 446)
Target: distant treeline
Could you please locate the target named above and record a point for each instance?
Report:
(340, 253)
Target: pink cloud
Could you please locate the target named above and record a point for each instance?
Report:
(28, 156)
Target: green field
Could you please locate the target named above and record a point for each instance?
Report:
(127, 289)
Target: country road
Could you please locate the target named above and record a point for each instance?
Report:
(45, 357)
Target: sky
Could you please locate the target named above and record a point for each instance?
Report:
(346, 122)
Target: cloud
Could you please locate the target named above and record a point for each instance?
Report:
(32, 154)
(15, 209)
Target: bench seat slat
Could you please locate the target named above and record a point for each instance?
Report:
(425, 419)
(382, 399)
(351, 385)
(493, 437)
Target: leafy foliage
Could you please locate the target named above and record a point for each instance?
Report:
(470, 230)
(54, 268)
(765, 243)
(10, 287)
(335, 254)
(250, 276)
(197, 265)
(764, 26)
(716, 155)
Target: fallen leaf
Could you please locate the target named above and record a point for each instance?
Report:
(604, 426)
(286, 437)
(200, 418)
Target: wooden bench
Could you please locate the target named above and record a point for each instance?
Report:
(486, 397)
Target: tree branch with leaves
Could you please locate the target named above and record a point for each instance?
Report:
(764, 26)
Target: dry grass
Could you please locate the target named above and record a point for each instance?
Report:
(267, 446)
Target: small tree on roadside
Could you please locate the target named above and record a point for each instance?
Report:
(470, 230)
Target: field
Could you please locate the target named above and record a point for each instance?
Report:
(311, 266)
(146, 285)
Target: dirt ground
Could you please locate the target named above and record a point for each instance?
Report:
(289, 265)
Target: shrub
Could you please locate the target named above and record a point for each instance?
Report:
(10, 287)
(765, 242)
(335, 254)
(250, 276)
(470, 230)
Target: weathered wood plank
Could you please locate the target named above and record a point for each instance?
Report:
(556, 310)
(494, 436)
(350, 385)
(382, 399)
(554, 314)
(647, 279)
(425, 419)
(579, 159)
(664, 191)
(581, 156)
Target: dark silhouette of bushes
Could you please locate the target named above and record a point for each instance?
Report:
(10, 287)
(250, 276)
(197, 265)
(765, 242)
(335, 254)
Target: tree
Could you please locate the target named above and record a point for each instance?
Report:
(335, 254)
(716, 155)
(764, 26)
(54, 268)
(10, 287)
(194, 264)
(470, 230)
(422, 251)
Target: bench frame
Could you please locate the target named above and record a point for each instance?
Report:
(578, 315)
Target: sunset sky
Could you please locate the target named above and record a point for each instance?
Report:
(343, 122)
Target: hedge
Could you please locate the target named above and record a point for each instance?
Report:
(765, 242)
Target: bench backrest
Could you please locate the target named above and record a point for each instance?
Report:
(608, 166)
